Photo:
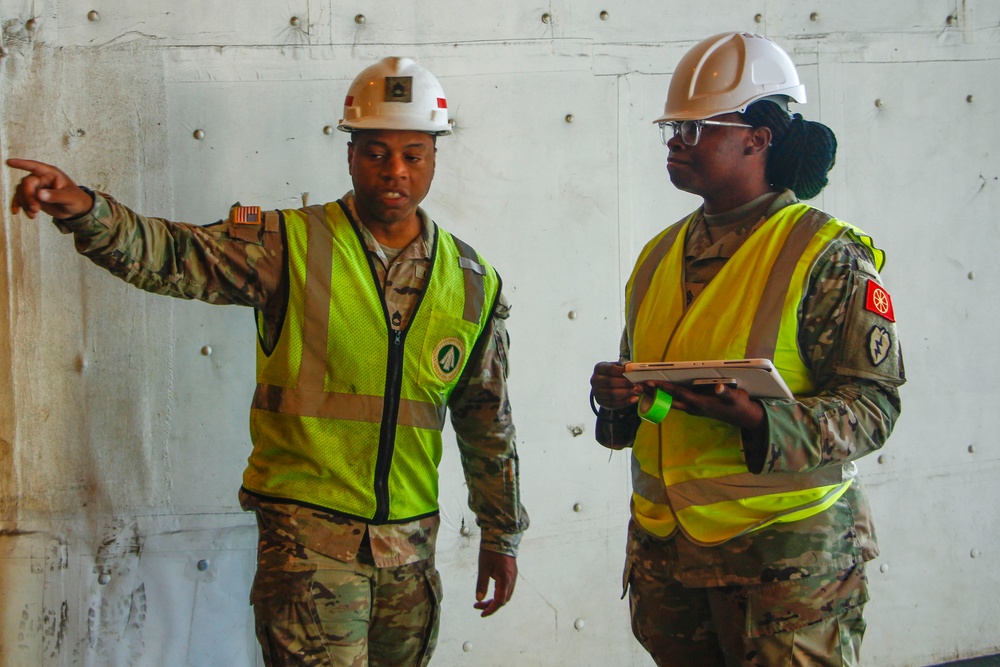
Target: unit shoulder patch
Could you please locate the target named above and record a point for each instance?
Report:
(877, 300)
(879, 345)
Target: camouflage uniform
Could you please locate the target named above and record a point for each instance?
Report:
(322, 577)
(791, 593)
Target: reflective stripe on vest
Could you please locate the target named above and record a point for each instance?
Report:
(699, 481)
(348, 413)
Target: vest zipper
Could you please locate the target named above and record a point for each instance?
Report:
(387, 435)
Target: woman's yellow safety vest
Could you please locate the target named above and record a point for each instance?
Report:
(688, 472)
(348, 413)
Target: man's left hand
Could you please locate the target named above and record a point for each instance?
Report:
(502, 569)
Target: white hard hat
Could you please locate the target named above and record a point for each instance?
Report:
(396, 94)
(726, 73)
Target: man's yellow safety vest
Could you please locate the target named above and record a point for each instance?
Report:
(348, 413)
(688, 472)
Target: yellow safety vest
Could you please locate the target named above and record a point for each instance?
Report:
(688, 472)
(348, 413)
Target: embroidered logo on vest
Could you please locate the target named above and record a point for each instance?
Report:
(447, 358)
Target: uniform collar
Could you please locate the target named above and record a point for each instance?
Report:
(419, 247)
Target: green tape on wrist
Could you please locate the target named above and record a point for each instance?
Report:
(655, 409)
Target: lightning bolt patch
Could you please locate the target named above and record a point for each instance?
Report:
(879, 344)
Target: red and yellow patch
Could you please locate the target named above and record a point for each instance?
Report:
(877, 300)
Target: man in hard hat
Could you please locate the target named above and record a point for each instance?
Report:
(372, 322)
(750, 531)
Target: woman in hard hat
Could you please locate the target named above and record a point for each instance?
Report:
(749, 530)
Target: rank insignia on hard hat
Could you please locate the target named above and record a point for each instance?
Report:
(447, 358)
(877, 301)
(245, 215)
(399, 89)
(879, 344)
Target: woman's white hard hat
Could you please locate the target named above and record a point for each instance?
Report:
(728, 72)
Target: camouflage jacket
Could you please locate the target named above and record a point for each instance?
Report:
(211, 264)
(851, 414)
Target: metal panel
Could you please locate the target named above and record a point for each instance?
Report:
(183, 22)
(437, 21)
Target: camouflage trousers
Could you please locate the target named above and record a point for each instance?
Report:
(312, 611)
(812, 621)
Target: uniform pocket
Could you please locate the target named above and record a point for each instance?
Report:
(783, 606)
(445, 351)
(435, 594)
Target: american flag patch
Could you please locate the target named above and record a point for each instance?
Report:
(246, 215)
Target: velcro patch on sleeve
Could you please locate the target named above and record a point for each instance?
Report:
(877, 300)
(246, 223)
(245, 215)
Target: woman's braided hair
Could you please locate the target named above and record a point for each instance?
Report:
(802, 152)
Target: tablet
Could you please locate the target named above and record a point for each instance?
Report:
(758, 377)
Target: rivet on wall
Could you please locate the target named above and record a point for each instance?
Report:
(467, 647)
(758, 18)
(93, 16)
(968, 98)
(79, 363)
(974, 553)
(328, 130)
(31, 25)
(878, 103)
(104, 579)
(576, 430)
(546, 18)
(206, 351)
(577, 507)
(883, 568)
(198, 134)
(972, 275)
(605, 16)
(569, 118)
(571, 315)
(972, 449)
(202, 565)
(579, 623)
(814, 17)
(294, 21)
(881, 458)
(951, 20)
(360, 19)
(464, 531)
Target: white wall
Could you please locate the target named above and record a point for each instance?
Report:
(122, 441)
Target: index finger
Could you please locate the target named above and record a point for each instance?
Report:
(33, 166)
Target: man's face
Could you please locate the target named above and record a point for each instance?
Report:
(392, 172)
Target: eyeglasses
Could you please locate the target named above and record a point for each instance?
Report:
(690, 130)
